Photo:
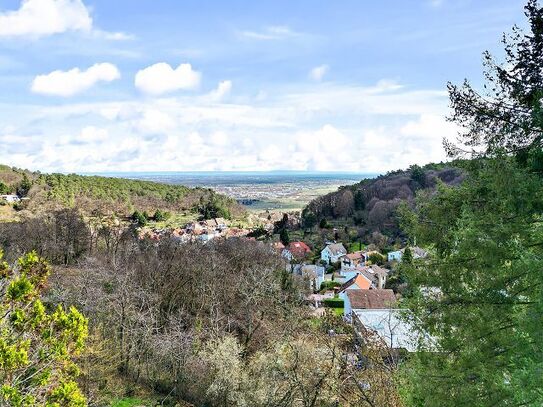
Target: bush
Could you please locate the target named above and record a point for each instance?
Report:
(326, 285)
(334, 303)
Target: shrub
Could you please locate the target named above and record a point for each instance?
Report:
(326, 285)
(334, 303)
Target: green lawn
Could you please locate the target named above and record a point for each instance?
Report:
(130, 402)
(338, 311)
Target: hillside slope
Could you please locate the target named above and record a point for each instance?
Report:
(119, 195)
(371, 204)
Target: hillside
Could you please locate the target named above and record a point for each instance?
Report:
(111, 195)
(371, 204)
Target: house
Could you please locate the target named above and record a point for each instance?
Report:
(296, 251)
(375, 274)
(333, 252)
(314, 273)
(367, 299)
(417, 253)
(10, 198)
(391, 327)
(352, 260)
(358, 282)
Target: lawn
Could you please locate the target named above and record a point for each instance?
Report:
(338, 311)
(130, 402)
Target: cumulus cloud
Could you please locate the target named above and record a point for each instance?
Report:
(222, 90)
(161, 78)
(317, 73)
(69, 83)
(45, 17)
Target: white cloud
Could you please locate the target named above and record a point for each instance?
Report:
(45, 17)
(161, 78)
(154, 121)
(69, 83)
(327, 127)
(222, 90)
(317, 73)
(272, 32)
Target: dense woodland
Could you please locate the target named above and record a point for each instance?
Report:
(106, 195)
(371, 205)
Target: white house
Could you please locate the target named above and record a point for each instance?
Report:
(333, 252)
(417, 253)
(367, 299)
(10, 198)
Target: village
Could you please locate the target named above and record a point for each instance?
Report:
(352, 285)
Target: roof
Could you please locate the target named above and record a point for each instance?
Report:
(312, 268)
(371, 299)
(396, 332)
(372, 272)
(337, 248)
(361, 281)
(354, 256)
(298, 249)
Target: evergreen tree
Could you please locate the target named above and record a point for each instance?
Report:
(482, 301)
(284, 236)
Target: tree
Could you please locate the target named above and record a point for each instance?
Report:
(508, 116)
(323, 224)
(418, 175)
(139, 218)
(483, 297)
(4, 189)
(309, 218)
(407, 256)
(284, 236)
(24, 186)
(37, 345)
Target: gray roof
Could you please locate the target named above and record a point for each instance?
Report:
(337, 248)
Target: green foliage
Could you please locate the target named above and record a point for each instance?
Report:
(284, 236)
(139, 218)
(323, 224)
(65, 188)
(407, 256)
(160, 216)
(309, 219)
(4, 189)
(418, 175)
(327, 285)
(24, 187)
(377, 258)
(334, 303)
(215, 206)
(37, 346)
(482, 300)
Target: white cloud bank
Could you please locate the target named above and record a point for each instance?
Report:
(320, 127)
(74, 81)
(161, 78)
(45, 17)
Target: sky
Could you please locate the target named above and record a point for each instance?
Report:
(201, 85)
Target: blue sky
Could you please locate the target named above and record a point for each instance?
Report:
(168, 85)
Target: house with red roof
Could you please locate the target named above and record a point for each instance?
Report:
(296, 251)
